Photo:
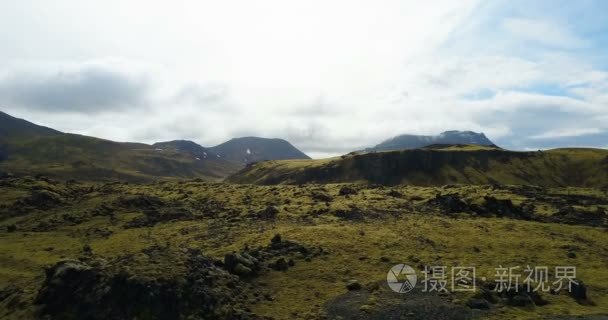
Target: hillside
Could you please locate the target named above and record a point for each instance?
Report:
(26, 148)
(410, 141)
(252, 149)
(440, 166)
(14, 128)
(186, 146)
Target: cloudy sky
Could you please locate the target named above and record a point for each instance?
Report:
(329, 76)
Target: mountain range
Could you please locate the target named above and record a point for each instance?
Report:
(27, 148)
(450, 157)
(243, 150)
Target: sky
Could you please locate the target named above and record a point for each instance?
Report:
(329, 76)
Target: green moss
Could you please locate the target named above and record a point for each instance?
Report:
(398, 225)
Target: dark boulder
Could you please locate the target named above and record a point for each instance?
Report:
(279, 265)
(522, 296)
(321, 196)
(395, 194)
(353, 285)
(96, 290)
(140, 202)
(353, 213)
(43, 199)
(269, 213)
(478, 304)
(571, 215)
(578, 291)
(346, 190)
(152, 216)
(450, 203)
(241, 264)
(504, 208)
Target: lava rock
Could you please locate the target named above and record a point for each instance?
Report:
(353, 285)
(578, 291)
(75, 289)
(478, 304)
(241, 264)
(279, 265)
(450, 203)
(344, 191)
(269, 213)
(321, 196)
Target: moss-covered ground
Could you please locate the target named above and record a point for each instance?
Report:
(365, 230)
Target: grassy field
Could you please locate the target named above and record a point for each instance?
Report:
(334, 234)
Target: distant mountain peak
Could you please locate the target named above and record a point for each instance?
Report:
(410, 141)
(252, 149)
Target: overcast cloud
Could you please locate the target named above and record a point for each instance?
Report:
(329, 76)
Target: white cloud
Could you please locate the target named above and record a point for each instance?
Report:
(544, 32)
(331, 77)
(568, 132)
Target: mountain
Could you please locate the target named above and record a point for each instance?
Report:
(441, 165)
(409, 141)
(15, 127)
(252, 149)
(187, 146)
(28, 149)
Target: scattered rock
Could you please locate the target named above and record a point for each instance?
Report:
(269, 213)
(86, 290)
(279, 265)
(394, 193)
(279, 255)
(43, 199)
(353, 213)
(241, 264)
(578, 291)
(321, 196)
(345, 191)
(140, 202)
(571, 215)
(450, 203)
(522, 297)
(353, 285)
(478, 304)
(153, 216)
(276, 239)
(504, 208)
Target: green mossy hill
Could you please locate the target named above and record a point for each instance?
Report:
(201, 250)
(29, 149)
(440, 165)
